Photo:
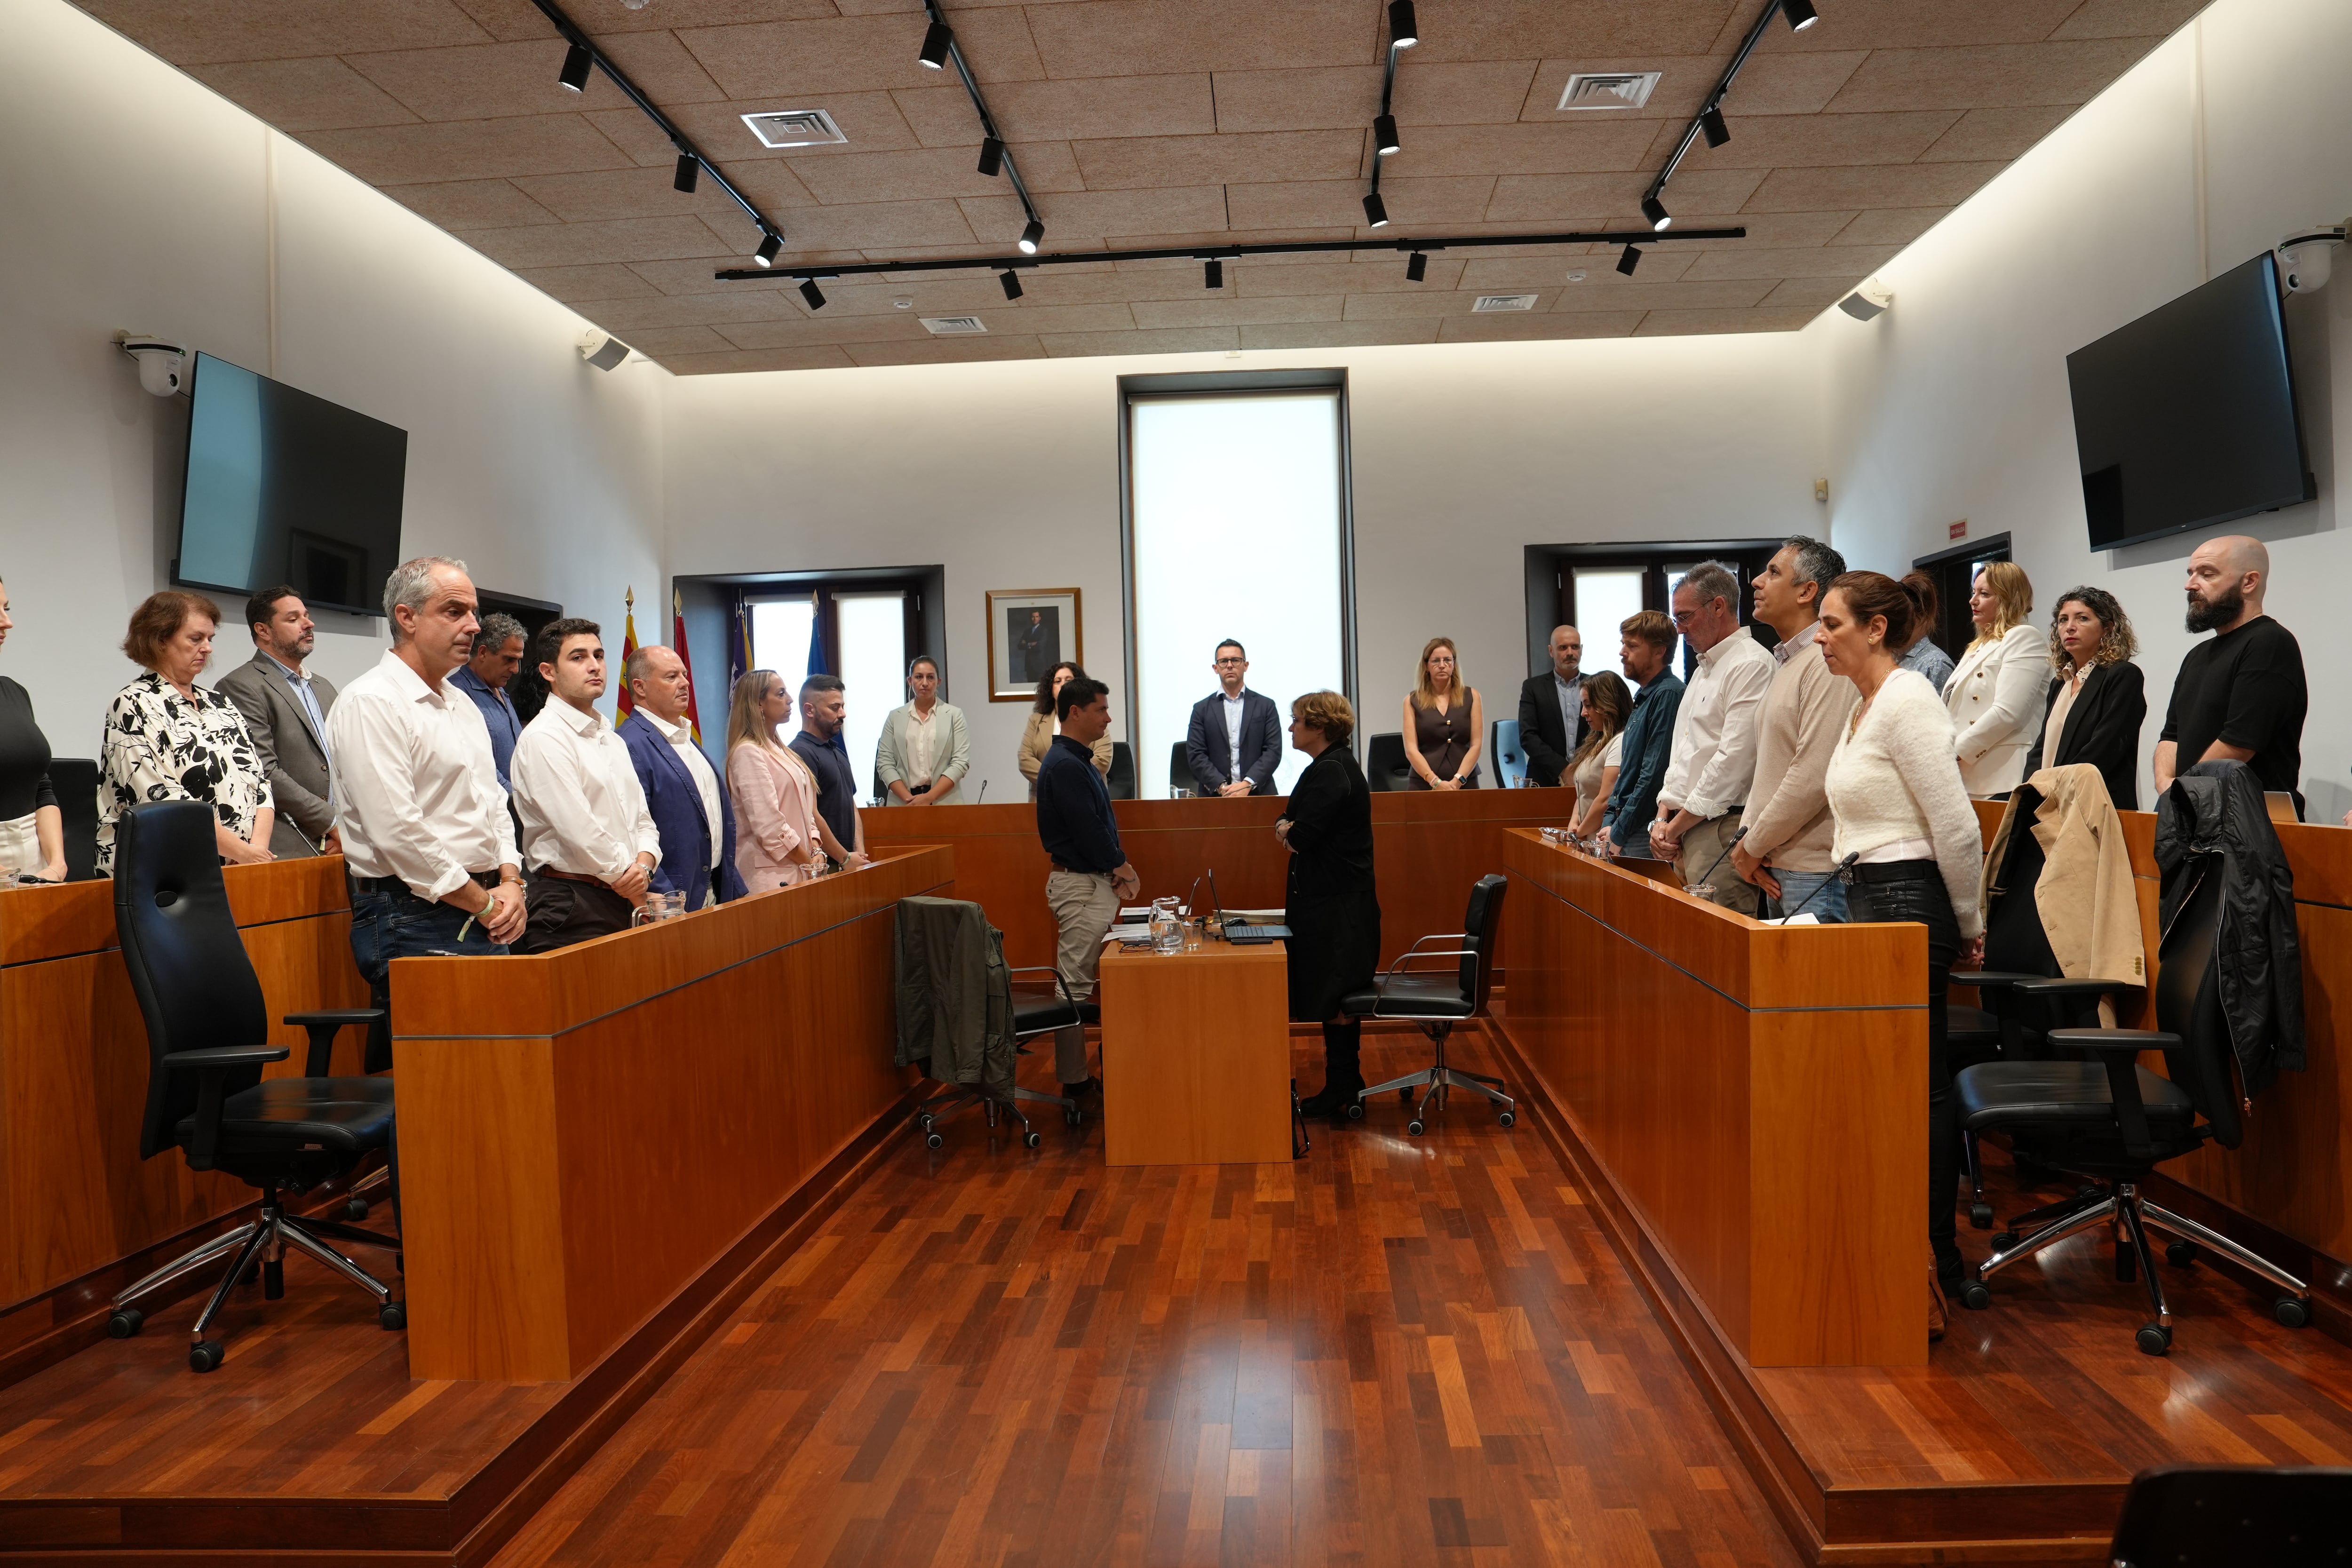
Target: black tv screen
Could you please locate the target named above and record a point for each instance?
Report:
(2186, 417)
(287, 487)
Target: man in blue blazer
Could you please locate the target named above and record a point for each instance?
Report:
(1234, 741)
(682, 789)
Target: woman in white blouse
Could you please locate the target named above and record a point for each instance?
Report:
(1903, 820)
(1995, 694)
(169, 739)
(778, 837)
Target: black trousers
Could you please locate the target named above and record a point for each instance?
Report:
(560, 911)
(1913, 890)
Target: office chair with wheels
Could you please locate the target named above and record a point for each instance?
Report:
(943, 946)
(1120, 779)
(75, 780)
(1510, 757)
(206, 1023)
(1384, 765)
(1179, 770)
(1436, 1000)
(2112, 1121)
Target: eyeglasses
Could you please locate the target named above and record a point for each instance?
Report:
(1229, 661)
(1685, 617)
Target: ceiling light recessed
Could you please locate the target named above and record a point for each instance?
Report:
(1609, 89)
(1577, 276)
(794, 128)
(1505, 302)
(952, 326)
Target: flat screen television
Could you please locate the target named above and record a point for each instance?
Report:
(2186, 417)
(283, 487)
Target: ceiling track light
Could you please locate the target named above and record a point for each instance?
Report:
(769, 245)
(936, 40)
(1010, 281)
(577, 62)
(1032, 235)
(689, 171)
(1655, 211)
(1385, 136)
(1403, 32)
(1628, 261)
(1213, 274)
(992, 156)
(1711, 126)
(812, 294)
(1801, 13)
(1416, 268)
(1376, 212)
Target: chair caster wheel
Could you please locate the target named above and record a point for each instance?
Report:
(2153, 1339)
(1072, 1116)
(1976, 1295)
(1508, 1118)
(1355, 1111)
(393, 1316)
(2293, 1310)
(124, 1323)
(1404, 1096)
(2180, 1254)
(1413, 1127)
(932, 1141)
(1030, 1140)
(2003, 1240)
(924, 1120)
(204, 1355)
(1980, 1216)
(355, 1208)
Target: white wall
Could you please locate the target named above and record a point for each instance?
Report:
(1462, 453)
(131, 197)
(1955, 404)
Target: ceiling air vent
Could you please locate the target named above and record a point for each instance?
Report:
(953, 326)
(1609, 89)
(1505, 302)
(794, 128)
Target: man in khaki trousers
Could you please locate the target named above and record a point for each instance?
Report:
(1091, 876)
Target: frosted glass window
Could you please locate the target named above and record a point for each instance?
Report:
(1237, 533)
(780, 641)
(1606, 596)
(872, 665)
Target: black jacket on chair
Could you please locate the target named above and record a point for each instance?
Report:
(1334, 911)
(2217, 808)
(1543, 729)
(2102, 728)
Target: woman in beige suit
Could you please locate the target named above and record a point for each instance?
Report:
(1038, 737)
(1995, 693)
(778, 837)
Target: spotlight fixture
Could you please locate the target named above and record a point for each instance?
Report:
(935, 46)
(1710, 123)
(812, 294)
(1402, 32)
(1416, 268)
(1213, 274)
(1801, 13)
(1376, 212)
(1011, 281)
(1655, 211)
(1031, 234)
(689, 172)
(576, 63)
(1384, 136)
(992, 156)
(1628, 261)
(766, 255)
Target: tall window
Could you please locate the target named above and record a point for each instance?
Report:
(1238, 532)
(867, 642)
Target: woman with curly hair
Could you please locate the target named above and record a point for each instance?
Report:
(2097, 700)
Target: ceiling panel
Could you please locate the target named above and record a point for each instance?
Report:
(1162, 123)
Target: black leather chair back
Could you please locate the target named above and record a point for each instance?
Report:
(1179, 770)
(195, 987)
(1120, 779)
(75, 781)
(1384, 764)
(2188, 1004)
(1483, 923)
(2014, 940)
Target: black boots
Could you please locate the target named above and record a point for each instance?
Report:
(1343, 1072)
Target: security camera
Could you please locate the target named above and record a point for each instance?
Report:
(1872, 299)
(2305, 258)
(160, 362)
(602, 350)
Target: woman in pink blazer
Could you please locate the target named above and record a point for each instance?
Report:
(777, 839)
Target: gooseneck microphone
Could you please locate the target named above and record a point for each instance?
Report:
(1727, 848)
(983, 794)
(1836, 872)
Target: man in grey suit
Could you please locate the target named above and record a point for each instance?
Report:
(286, 708)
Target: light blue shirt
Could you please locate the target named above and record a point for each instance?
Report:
(1572, 705)
(301, 682)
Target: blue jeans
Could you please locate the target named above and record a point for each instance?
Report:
(1823, 888)
(389, 923)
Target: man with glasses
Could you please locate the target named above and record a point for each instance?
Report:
(1234, 741)
(1711, 760)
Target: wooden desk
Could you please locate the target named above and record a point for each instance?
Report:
(1755, 1097)
(582, 1134)
(1428, 848)
(1196, 1055)
(73, 1071)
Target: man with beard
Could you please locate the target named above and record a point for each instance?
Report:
(2241, 697)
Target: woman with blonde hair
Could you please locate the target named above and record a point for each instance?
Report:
(1606, 706)
(778, 837)
(1443, 720)
(1992, 694)
(2097, 700)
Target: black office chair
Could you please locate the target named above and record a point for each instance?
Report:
(75, 780)
(1027, 1017)
(2232, 1516)
(1509, 757)
(1121, 777)
(1436, 1000)
(1179, 770)
(1384, 765)
(206, 1023)
(2112, 1120)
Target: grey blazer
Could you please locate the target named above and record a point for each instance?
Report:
(292, 757)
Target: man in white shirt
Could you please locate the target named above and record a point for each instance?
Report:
(588, 842)
(1714, 756)
(684, 792)
(424, 829)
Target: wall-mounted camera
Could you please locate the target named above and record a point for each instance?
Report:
(2307, 256)
(162, 366)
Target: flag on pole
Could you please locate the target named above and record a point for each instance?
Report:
(739, 645)
(622, 706)
(678, 632)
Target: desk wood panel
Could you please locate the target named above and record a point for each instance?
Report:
(1196, 1056)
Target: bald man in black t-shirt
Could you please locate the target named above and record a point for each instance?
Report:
(2241, 697)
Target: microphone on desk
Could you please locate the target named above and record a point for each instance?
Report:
(1840, 869)
(983, 794)
(1727, 848)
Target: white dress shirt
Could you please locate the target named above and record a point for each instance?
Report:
(582, 809)
(923, 745)
(1234, 737)
(1714, 756)
(416, 789)
(699, 769)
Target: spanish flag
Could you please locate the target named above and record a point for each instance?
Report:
(677, 646)
(622, 705)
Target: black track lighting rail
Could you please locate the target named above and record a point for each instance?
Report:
(1801, 17)
(1403, 34)
(996, 149)
(677, 139)
(1206, 253)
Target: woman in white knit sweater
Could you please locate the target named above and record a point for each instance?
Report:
(1995, 695)
(1904, 821)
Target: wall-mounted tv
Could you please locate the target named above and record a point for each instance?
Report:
(283, 487)
(2186, 417)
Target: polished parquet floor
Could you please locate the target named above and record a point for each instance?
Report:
(1396, 1351)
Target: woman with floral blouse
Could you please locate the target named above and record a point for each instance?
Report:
(169, 739)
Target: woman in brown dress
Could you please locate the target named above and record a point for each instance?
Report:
(1442, 722)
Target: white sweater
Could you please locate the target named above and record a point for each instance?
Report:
(1894, 777)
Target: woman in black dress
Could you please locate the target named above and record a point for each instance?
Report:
(32, 828)
(2097, 702)
(1335, 913)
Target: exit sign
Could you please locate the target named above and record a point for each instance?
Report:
(1960, 529)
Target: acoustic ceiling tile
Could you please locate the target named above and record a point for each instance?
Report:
(1572, 147)
(470, 149)
(1800, 141)
(461, 205)
(667, 340)
(823, 356)
(1401, 304)
(627, 239)
(1887, 225)
(192, 35)
(1154, 105)
(597, 281)
(2128, 18)
(824, 328)
(937, 171)
(1510, 327)
(1692, 323)
(1992, 76)
(1888, 185)
(1175, 340)
(320, 93)
(1733, 261)
(1338, 334)
(1912, 23)
(1518, 30)
(946, 350)
(490, 81)
(1988, 134)
(1814, 294)
(1606, 289)
(1412, 204)
(1591, 201)
(1096, 37)
(1788, 82)
(1213, 311)
(1338, 277)
(753, 303)
(1133, 163)
(862, 226)
(856, 54)
(1077, 218)
(622, 193)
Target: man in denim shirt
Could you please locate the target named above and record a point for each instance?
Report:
(1646, 651)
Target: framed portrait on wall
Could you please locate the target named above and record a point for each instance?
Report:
(1030, 630)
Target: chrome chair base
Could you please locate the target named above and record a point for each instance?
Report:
(955, 1101)
(1438, 1079)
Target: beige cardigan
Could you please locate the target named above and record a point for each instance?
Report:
(2088, 904)
(1788, 819)
(1038, 738)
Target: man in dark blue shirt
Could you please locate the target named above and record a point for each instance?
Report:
(1091, 876)
(1647, 653)
(823, 709)
(497, 655)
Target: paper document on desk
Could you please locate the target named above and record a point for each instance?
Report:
(1807, 919)
(1140, 931)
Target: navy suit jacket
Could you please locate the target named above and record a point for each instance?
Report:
(1211, 755)
(676, 809)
